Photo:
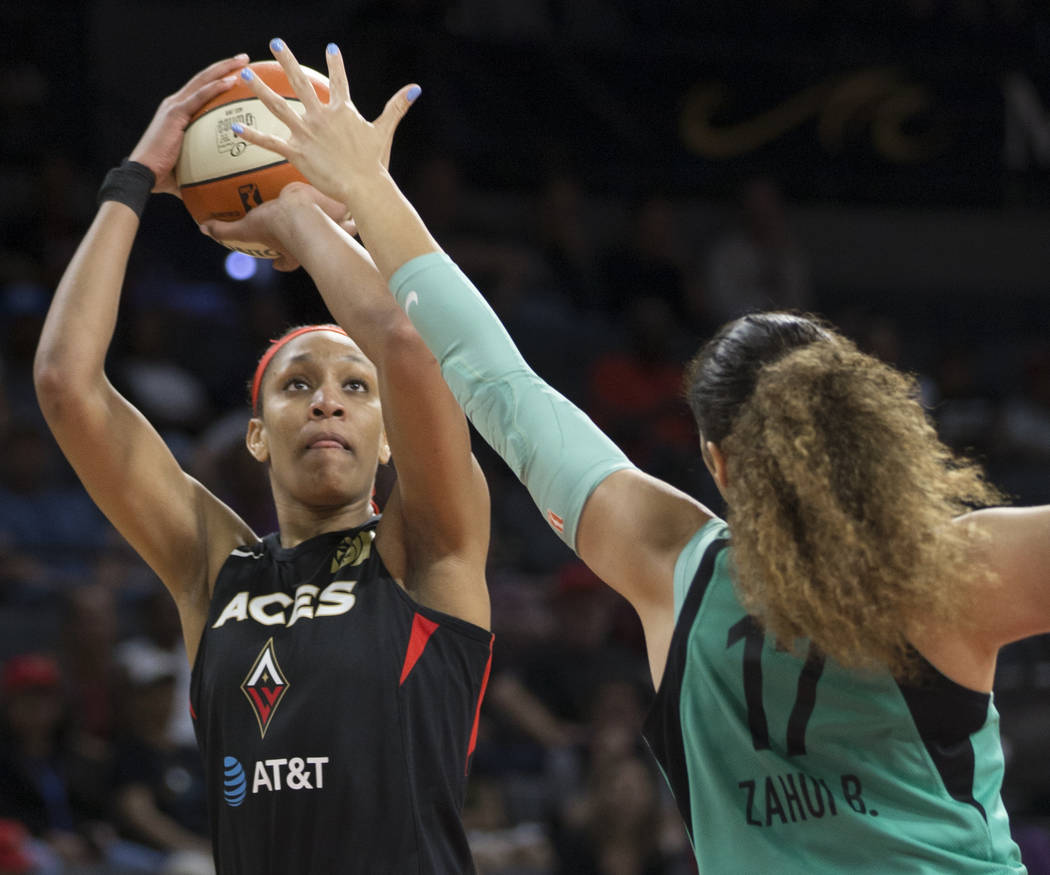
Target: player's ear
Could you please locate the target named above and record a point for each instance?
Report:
(256, 441)
(384, 449)
(716, 463)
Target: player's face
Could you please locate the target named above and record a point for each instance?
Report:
(321, 428)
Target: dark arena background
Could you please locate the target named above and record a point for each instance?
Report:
(619, 177)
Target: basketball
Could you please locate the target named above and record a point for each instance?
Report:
(221, 176)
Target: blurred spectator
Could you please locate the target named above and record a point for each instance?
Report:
(35, 759)
(757, 264)
(544, 686)
(566, 671)
(16, 857)
(22, 307)
(636, 395)
(621, 825)
(614, 725)
(881, 337)
(222, 461)
(563, 238)
(68, 201)
(159, 645)
(1025, 420)
(51, 529)
(500, 847)
(160, 794)
(521, 538)
(119, 570)
(964, 413)
(519, 730)
(89, 636)
(648, 262)
(500, 261)
(169, 395)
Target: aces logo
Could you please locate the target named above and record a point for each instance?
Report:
(265, 686)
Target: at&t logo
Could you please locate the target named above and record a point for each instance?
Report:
(272, 775)
(235, 785)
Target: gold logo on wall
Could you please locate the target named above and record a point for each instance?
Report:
(879, 98)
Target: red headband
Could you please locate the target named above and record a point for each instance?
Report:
(275, 345)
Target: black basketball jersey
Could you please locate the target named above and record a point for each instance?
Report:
(336, 716)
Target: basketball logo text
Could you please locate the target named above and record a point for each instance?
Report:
(225, 139)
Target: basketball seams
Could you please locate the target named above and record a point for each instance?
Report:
(254, 169)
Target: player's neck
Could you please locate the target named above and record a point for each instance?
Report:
(298, 523)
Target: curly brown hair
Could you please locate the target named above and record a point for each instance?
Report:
(841, 496)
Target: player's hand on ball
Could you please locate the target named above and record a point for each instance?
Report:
(271, 223)
(158, 148)
(332, 144)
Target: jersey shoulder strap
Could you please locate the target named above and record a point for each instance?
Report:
(662, 730)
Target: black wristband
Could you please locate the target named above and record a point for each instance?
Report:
(129, 184)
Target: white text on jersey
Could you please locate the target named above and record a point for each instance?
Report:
(309, 602)
(295, 772)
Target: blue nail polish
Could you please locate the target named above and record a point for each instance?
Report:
(412, 93)
(247, 75)
(276, 45)
(237, 128)
(333, 49)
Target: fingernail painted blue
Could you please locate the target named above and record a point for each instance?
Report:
(277, 44)
(237, 128)
(413, 93)
(247, 74)
(333, 49)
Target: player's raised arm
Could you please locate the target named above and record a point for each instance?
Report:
(612, 514)
(119, 457)
(440, 502)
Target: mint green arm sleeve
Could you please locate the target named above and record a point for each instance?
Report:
(552, 446)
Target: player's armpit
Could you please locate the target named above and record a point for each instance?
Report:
(631, 532)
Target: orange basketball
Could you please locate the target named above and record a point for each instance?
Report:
(221, 176)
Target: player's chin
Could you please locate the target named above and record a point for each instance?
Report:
(329, 499)
(333, 488)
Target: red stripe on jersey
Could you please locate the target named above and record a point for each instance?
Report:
(422, 629)
(193, 713)
(477, 712)
(556, 521)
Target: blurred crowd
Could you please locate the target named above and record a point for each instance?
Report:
(98, 763)
(608, 296)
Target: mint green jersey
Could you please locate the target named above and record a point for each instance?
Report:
(791, 764)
